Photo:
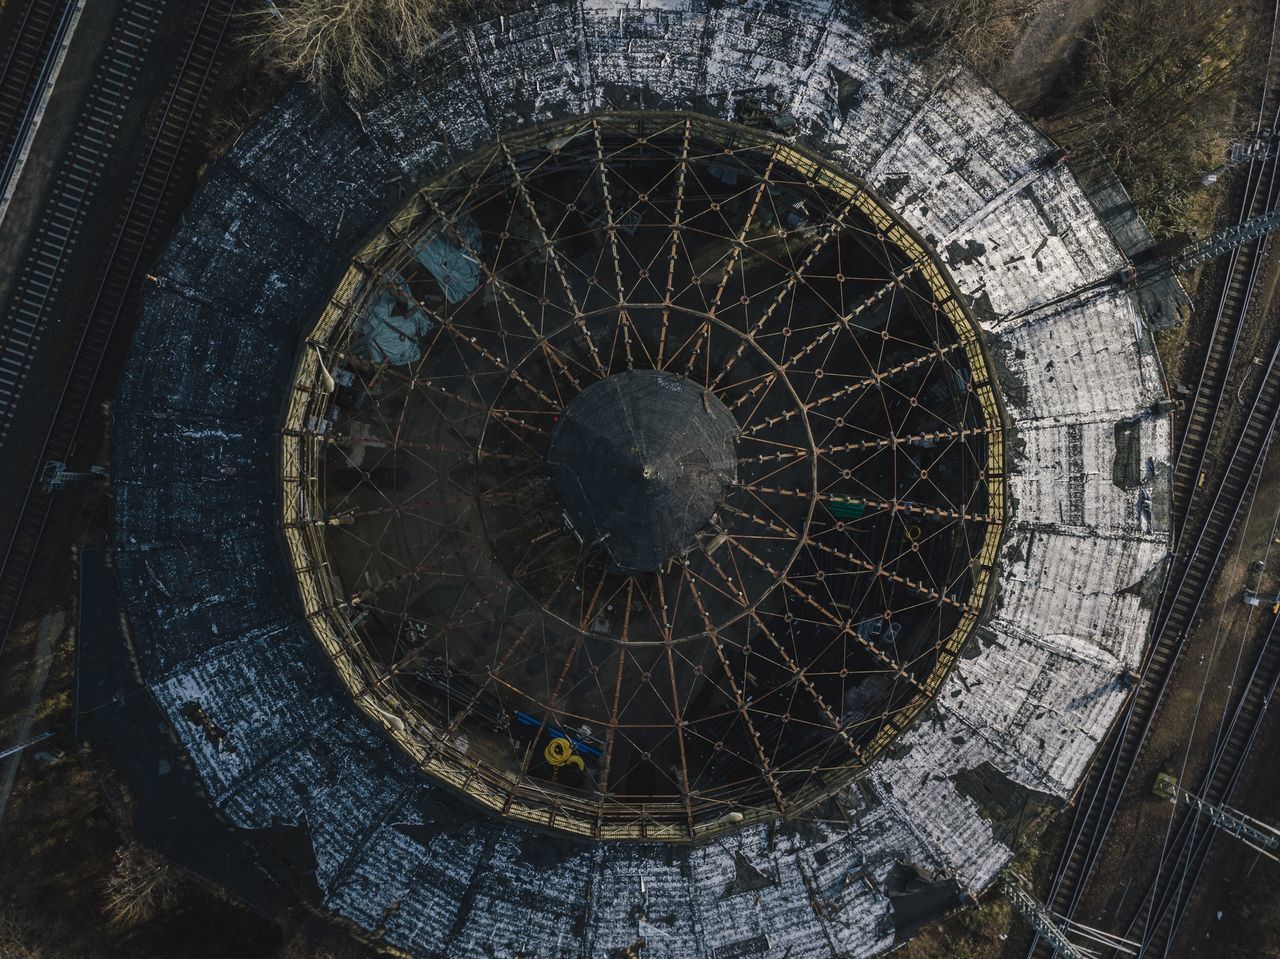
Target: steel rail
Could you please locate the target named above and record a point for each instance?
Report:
(1108, 779)
(1191, 572)
(132, 244)
(27, 67)
(1160, 911)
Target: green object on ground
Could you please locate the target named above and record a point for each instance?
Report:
(845, 509)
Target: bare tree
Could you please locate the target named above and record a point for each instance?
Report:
(355, 43)
(979, 32)
(15, 938)
(1155, 97)
(138, 887)
(1153, 92)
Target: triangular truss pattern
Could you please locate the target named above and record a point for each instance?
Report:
(820, 606)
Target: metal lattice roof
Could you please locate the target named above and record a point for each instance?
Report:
(696, 469)
(268, 648)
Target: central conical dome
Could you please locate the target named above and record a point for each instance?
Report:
(641, 460)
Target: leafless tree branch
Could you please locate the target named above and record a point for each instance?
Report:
(354, 43)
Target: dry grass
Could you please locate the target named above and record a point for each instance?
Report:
(319, 943)
(969, 934)
(16, 938)
(1152, 92)
(1155, 99)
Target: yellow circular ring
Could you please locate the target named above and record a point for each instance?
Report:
(558, 751)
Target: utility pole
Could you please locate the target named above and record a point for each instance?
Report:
(1043, 922)
(1038, 917)
(21, 746)
(56, 474)
(1159, 267)
(1225, 240)
(1252, 832)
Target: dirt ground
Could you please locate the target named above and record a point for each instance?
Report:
(1043, 51)
(1236, 913)
(1217, 659)
(60, 836)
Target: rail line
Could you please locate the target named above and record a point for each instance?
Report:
(1216, 505)
(1110, 775)
(1260, 193)
(28, 63)
(1156, 921)
(32, 308)
(28, 314)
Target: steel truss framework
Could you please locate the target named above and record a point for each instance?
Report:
(823, 604)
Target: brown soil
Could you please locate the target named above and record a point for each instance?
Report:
(1044, 50)
(1237, 912)
(1220, 649)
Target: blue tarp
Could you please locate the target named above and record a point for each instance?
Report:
(446, 258)
(392, 326)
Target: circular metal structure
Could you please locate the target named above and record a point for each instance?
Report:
(340, 623)
(654, 476)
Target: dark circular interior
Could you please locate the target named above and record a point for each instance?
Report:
(660, 477)
(641, 460)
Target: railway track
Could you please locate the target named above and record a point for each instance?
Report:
(32, 313)
(29, 315)
(1260, 192)
(27, 66)
(1206, 514)
(1156, 921)
(1189, 586)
